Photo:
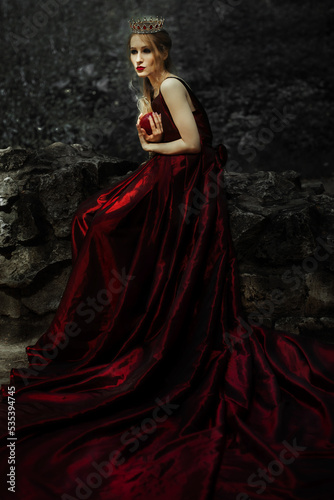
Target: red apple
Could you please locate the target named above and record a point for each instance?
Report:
(145, 123)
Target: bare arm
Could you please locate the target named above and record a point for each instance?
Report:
(174, 94)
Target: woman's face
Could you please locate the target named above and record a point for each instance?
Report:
(143, 58)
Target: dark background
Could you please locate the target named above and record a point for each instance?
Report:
(64, 76)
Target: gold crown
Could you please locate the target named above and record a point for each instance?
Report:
(146, 25)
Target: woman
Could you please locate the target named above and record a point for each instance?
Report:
(151, 64)
(136, 390)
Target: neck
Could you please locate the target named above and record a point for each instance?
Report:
(157, 80)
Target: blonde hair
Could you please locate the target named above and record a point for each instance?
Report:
(159, 43)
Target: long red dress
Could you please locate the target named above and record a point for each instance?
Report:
(148, 383)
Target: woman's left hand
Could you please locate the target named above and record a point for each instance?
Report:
(157, 131)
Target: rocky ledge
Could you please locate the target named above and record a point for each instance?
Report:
(282, 230)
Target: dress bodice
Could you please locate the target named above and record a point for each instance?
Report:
(171, 132)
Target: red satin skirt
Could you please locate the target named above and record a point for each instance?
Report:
(149, 384)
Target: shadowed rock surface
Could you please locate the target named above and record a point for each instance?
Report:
(282, 228)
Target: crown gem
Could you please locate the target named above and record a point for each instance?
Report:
(146, 24)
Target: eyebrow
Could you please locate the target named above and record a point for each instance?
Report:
(144, 47)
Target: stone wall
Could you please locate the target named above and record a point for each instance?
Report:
(67, 78)
(282, 231)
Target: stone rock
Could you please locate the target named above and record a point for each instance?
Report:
(320, 328)
(12, 356)
(26, 329)
(25, 263)
(25, 227)
(288, 236)
(46, 299)
(12, 158)
(16, 334)
(60, 195)
(265, 188)
(270, 296)
(314, 185)
(9, 189)
(279, 215)
(320, 297)
(6, 224)
(55, 152)
(17, 226)
(282, 230)
(245, 225)
(10, 304)
(289, 324)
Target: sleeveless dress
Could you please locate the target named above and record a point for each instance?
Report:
(149, 384)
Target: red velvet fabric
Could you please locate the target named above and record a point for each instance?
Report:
(149, 384)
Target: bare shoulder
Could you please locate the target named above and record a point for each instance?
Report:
(172, 85)
(175, 92)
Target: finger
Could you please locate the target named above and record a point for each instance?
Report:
(152, 122)
(139, 117)
(158, 129)
(156, 119)
(159, 121)
(156, 125)
(141, 133)
(144, 134)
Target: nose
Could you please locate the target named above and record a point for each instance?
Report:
(139, 57)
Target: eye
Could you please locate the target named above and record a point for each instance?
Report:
(133, 51)
(147, 51)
